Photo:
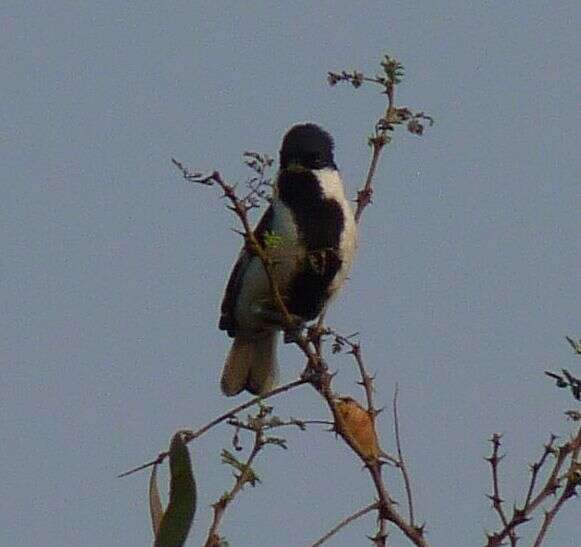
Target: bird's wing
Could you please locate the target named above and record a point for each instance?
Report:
(228, 308)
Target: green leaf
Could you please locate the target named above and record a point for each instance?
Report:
(277, 441)
(177, 520)
(246, 472)
(574, 344)
(155, 507)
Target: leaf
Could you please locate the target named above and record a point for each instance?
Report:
(559, 380)
(246, 472)
(177, 520)
(575, 345)
(277, 441)
(155, 507)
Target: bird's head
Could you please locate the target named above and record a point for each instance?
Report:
(307, 146)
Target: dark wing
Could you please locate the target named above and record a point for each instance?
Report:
(228, 308)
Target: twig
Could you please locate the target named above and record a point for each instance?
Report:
(191, 435)
(220, 506)
(573, 477)
(316, 371)
(301, 424)
(386, 506)
(392, 75)
(497, 501)
(554, 482)
(241, 207)
(345, 522)
(536, 467)
(401, 461)
(364, 195)
(366, 379)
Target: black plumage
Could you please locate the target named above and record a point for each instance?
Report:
(320, 222)
(314, 234)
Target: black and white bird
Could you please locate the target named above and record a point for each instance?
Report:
(310, 234)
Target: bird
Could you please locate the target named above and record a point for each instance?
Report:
(310, 235)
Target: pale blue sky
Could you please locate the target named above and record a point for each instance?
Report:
(112, 268)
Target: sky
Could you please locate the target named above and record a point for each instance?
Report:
(112, 268)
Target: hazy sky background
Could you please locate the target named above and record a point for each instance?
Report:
(112, 268)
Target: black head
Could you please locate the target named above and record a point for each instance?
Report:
(308, 146)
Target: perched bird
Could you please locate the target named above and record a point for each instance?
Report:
(310, 235)
(359, 426)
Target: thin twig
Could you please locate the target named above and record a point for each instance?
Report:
(536, 467)
(297, 423)
(241, 479)
(551, 486)
(377, 142)
(191, 435)
(364, 195)
(401, 463)
(549, 516)
(316, 371)
(495, 497)
(573, 477)
(345, 522)
(366, 380)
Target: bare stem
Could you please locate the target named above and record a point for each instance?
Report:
(220, 506)
(496, 499)
(555, 481)
(573, 478)
(364, 195)
(345, 522)
(316, 371)
(401, 461)
(191, 435)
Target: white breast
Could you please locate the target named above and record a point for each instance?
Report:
(332, 187)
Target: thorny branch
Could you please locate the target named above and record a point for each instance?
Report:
(189, 435)
(245, 474)
(400, 459)
(391, 77)
(562, 478)
(497, 501)
(345, 522)
(557, 481)
(316, 371)
(355, 350)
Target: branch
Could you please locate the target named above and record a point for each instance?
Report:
(392, 75)
(241, 207)
(554, 482)
(345, 522)
(497, 501)
(350, 434)
(246, 475)
(316, 371)
(401, 461)
(191, 435)
(573, 478)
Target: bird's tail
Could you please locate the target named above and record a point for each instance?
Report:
(251, 364)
